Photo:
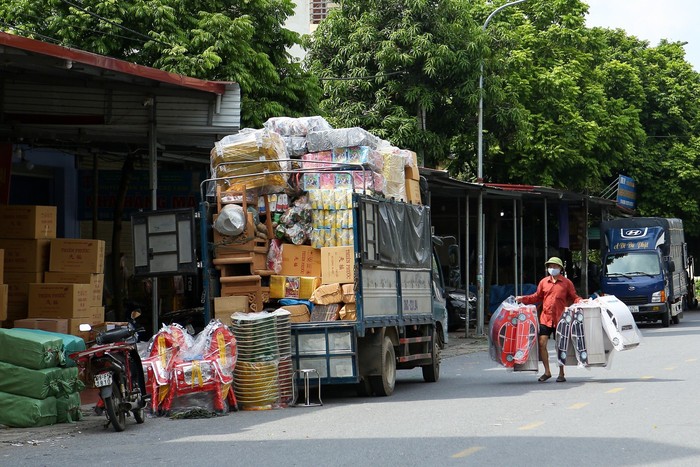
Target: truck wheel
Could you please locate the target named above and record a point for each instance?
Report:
(666, 318)
(364, 388)
(677, 318)
(383, 385)
(431, 372)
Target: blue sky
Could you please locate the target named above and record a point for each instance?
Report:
(652, 20)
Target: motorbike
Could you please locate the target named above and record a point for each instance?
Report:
(113, 366)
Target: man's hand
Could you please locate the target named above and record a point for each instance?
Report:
(519, 298)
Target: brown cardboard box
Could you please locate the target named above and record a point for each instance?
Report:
(348, 312)
(59, 300)
(96, 314)
(327, 294)
(224, 307)
(300, 260)
(337, 264)
(77, 255)
(298, 313)
(413, 191)
(349, 293)
(25, 255)
(18, 221)
(109, 325)
(96, 281)
(4, 291)
(293, 286)
(45, 324)
(74, 327)
(18, 291)
(412, 172)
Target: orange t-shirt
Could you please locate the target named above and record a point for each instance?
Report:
(555, 296)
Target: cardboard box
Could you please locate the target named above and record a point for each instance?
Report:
(45, 324)
(224, 307)
(77, 255)
(25, 255)
(4, 292)
(95, 314)
(338, 265)
(300, 260)
(348, 312)
(349, 293)
(59, 300)
(18, 221)
(108, 326)
(327, 294)
(18, 291)
(412, 172)
(298, 313)
(413, 192)
(293, 286)
(96, 281)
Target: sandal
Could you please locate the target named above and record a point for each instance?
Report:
(544, 378)
(561, 379)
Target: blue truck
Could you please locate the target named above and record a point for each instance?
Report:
(645, 264)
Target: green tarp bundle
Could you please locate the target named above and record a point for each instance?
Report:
(25, 412)
(22, 347)
(39, 384)
(68, 408)
(70, 343)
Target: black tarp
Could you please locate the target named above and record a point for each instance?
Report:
(404, 235)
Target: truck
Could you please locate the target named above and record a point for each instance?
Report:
(645, 263)
(401, 316)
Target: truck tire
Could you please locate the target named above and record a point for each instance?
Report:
(431, 372)
(666, 318)
(383, 385)
(363, 387)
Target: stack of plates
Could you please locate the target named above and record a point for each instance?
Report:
(256, 375)
(284, 345)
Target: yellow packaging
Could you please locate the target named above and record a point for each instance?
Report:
(348, 312)
(349, 293)
(327, 294)
(293, 286)
(338, 265)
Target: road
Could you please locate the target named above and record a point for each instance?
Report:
(641, 411)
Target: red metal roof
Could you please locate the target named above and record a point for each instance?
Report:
(109, 63)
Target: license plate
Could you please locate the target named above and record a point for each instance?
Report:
(103, 379)
(633, 308)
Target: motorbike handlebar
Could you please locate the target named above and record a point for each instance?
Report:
(115, 335)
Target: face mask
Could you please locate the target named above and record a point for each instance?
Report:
(553, 272)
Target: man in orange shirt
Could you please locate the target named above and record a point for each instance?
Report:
(555, 292)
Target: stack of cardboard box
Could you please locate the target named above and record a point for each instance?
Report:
(25, 237)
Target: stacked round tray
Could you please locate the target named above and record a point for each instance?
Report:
(255, 379)
(284, 346)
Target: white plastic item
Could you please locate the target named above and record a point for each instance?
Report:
(231, 220)
(618, 323)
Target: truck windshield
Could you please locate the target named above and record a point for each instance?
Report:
(631, 264)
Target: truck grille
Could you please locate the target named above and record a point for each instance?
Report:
(635, 300)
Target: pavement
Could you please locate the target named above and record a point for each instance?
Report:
(53, 435)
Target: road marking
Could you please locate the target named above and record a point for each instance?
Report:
(670, 368)
(467, 452)
(531, 426)
(614, 390)
(578, 405)
(692, 360)
(647, 377)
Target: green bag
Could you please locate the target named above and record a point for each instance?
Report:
(68, 408)
(25, 412)
(22, 347)
(71, 343)
(39, 384)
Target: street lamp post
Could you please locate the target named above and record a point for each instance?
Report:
(480, 179)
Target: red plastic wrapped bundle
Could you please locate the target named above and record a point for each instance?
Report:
(512, 333)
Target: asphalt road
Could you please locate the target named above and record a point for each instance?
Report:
(643, 410)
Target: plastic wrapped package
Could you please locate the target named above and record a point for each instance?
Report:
(301, 126)
(311, 181)
(318, 238)
(410, 158)
(71, 344)
(394, 174)
(231, 220)
(296, 224)
(26, 412)
(39, 384)
(343, 181)
(315, 199)
(317, 160)
(327, 199)
(340, 138)
(339, 156)
(369, 181)
(327, 181)
(28, 349)
(396, 190)
(68, 408)
(274, 256)
(295, 145)
(342, 199)
(366, 156)
(512, 333)
(249, 155)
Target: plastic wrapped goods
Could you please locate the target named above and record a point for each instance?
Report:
(301, 126)
(366, 180)
(25, 412)
(231, 220)
(317, 160)
(366, 156)
(71, 344)
(22, 347)
(39, 384)
(512, 333)
(68, 408)
(247, 156)
(340, 138)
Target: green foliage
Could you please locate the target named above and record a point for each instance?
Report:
(241, 41)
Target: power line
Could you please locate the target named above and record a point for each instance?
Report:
(113, 23)
(378, 75)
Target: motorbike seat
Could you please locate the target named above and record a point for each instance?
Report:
(114, 335)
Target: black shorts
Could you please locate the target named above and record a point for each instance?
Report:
(546, 331)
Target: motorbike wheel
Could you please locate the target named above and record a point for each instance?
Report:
(116, 416)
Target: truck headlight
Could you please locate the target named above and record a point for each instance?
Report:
(658, 297)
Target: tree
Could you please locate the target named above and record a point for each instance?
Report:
(208, 39)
